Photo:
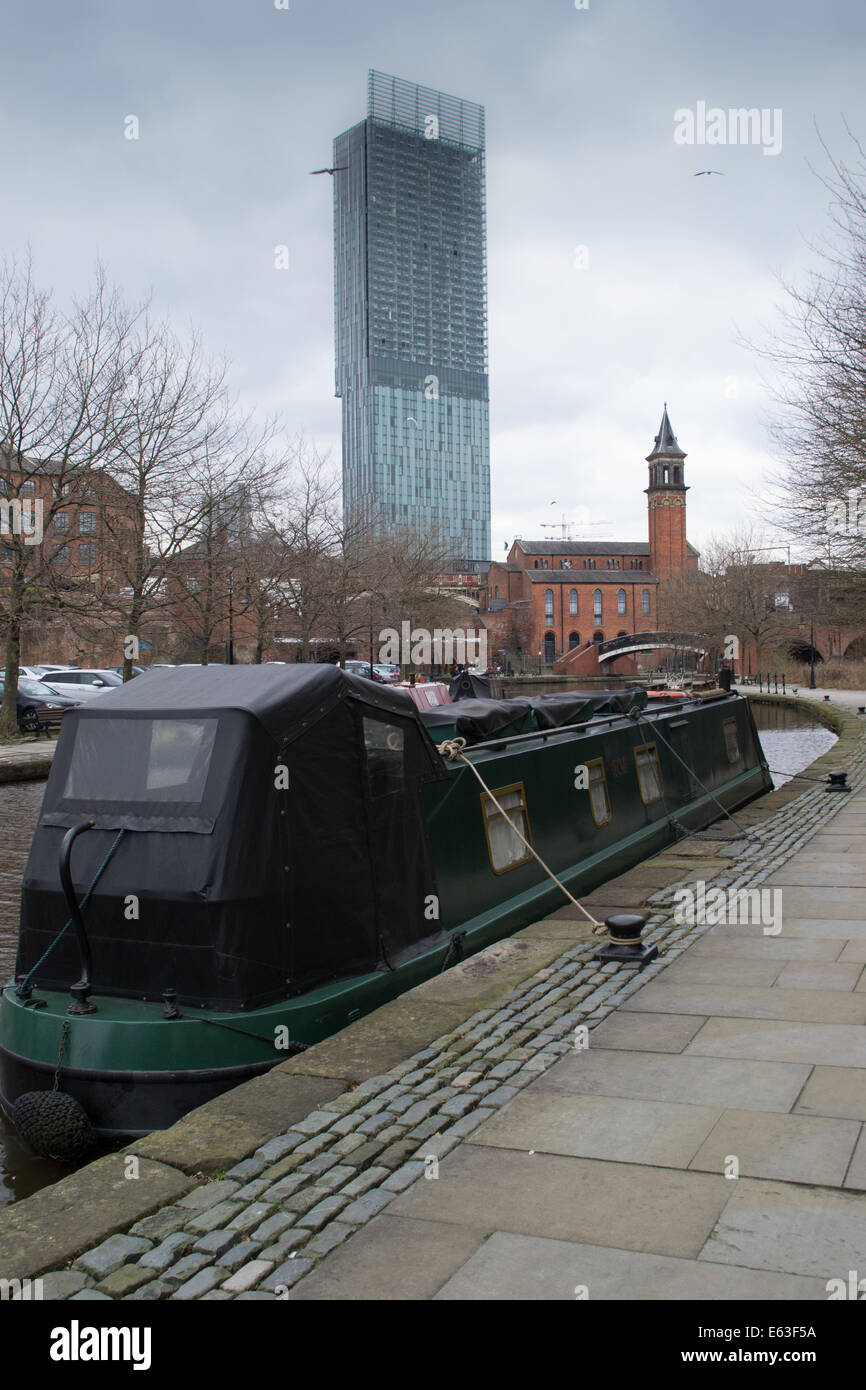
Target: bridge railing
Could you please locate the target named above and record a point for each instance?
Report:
(649, 640)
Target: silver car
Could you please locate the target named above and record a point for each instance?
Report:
(82, 685)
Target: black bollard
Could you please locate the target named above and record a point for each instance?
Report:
(837, 782)
(624, 940)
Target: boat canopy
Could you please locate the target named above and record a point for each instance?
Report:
(481, 720)
(273, 835)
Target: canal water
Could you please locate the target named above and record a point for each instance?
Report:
(790, 739)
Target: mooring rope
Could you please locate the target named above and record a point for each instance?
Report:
(452, 751)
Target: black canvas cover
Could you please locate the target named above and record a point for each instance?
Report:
(554, 711)
(273, 835)
(469, 686)
(479, 720)
(609, 701)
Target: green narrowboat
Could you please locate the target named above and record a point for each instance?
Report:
(231, 863)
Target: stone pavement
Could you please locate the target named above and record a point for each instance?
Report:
(26, 760)
(707, 1143)
(745, 1055)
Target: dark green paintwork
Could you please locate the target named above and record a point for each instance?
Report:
(127, 1034)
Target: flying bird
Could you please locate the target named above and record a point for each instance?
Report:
(336, 170)
(707, 171)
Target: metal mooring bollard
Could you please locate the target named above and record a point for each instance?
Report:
(837, 782)
(624, 940)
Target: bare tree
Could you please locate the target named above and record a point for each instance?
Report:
(178, 451)
(737, 591)
(818, 357)
(55, 374)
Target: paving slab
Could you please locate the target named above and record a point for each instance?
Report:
(752, 1002)
(794, 1148)
(717, 945)
(856, 1175)
(773, 1041)
(392, 1259)
(826, 873)
(812, 902)
(688, 1080)
(624, 1131)
(790, 1228)
(821, 975)
(483, 977)
(833, 841)
(838, 1092)
(511, 1267)
(833, 928)
(377, 1042)
(630, 1206)
(637, 1031)
(217, 1135)
(112, 1200)
(723, 970)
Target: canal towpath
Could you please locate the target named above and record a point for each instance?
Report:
(461, 1144)
(27, 759)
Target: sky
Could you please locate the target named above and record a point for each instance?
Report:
(617, 279)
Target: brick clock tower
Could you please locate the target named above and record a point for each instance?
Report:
(666, 505)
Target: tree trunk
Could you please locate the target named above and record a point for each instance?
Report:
(9, 732)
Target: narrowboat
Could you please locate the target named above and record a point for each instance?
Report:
(233, 863)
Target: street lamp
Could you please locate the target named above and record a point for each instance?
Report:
(811, 654)
(230, 645)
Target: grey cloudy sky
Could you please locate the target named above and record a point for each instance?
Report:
(237, 101)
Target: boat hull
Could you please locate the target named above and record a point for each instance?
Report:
(135, 1070)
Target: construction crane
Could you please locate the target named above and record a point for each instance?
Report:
(564, 528)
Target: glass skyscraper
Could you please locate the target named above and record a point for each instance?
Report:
(410, 291)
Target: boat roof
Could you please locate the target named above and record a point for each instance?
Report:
(279, 697)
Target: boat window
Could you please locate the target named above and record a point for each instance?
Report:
(432, 697)
(599, 800)
(732, 740)
(384, 748)
(140, 760)
(505, 848)
(649, 773)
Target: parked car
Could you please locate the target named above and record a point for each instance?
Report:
(82, 685)
(387, 673)
(42, 671)
(362, 668)
(38, 708)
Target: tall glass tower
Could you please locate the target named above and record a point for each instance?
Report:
(410, 289)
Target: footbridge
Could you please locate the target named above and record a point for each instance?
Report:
(648, 642)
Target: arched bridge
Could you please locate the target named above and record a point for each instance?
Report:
(648, 642)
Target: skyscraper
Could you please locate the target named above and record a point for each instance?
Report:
(410, 292)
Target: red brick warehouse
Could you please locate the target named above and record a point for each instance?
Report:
(563, 598)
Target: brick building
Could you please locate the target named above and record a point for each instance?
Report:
(558, 600)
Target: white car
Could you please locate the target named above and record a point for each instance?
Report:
(82, 685)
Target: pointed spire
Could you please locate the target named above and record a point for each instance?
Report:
(665, 445)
